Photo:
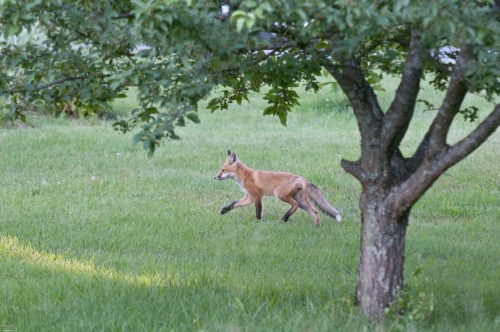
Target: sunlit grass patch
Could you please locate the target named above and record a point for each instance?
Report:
(12, 249)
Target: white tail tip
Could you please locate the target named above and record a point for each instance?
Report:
(338, 217)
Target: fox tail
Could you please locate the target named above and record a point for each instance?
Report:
(315, 194)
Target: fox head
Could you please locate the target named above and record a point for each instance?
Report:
(229, 168)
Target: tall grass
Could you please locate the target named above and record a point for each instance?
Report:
(96, 236)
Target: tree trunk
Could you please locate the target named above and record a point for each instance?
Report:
(380, 274)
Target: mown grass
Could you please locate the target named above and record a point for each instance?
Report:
(96, 236)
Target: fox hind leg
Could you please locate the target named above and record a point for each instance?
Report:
(290, 200)
(290, 212)
(305, 205)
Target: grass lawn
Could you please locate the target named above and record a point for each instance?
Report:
(96, 236)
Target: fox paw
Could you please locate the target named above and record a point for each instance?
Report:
(225, 210)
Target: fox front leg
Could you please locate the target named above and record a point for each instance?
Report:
(247, 200)
(227, 208)
(258, 208)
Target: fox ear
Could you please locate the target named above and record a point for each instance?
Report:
(228, 153)
(232, 158)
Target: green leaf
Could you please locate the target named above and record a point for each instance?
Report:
(282, 117)
(378, 87)
(193, 117)
(321, 85)
(373, 78)
(134, 78)
(429, 105)
(214, 104)
(169, 18)
(266, 6)
(12, 30)
(250, 20)
(268, 111)
(470, 113)
(237, 14)
(301, 13)
(249, 3)
(45, 19)
(239, 23)
(321, 45)
(348, 20)
(293, 94)
(152, 110)
(14, 16)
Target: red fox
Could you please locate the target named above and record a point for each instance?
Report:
(290, 188)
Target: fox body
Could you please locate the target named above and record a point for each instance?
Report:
(288, 187)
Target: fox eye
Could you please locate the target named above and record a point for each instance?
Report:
(223, 170)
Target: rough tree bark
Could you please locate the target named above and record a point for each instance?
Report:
(391, 183)
(380, 273)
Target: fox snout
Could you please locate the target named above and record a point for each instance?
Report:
(222, 176)
(219, 176)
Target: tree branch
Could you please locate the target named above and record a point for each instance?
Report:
(275, 47)
(63, 80)
(353, 168)
(450, 107)
(400, 113)
(122, 16)
(350, 78)
(470, 143)
(455, 95)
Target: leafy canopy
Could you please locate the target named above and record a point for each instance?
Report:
(175, 52)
